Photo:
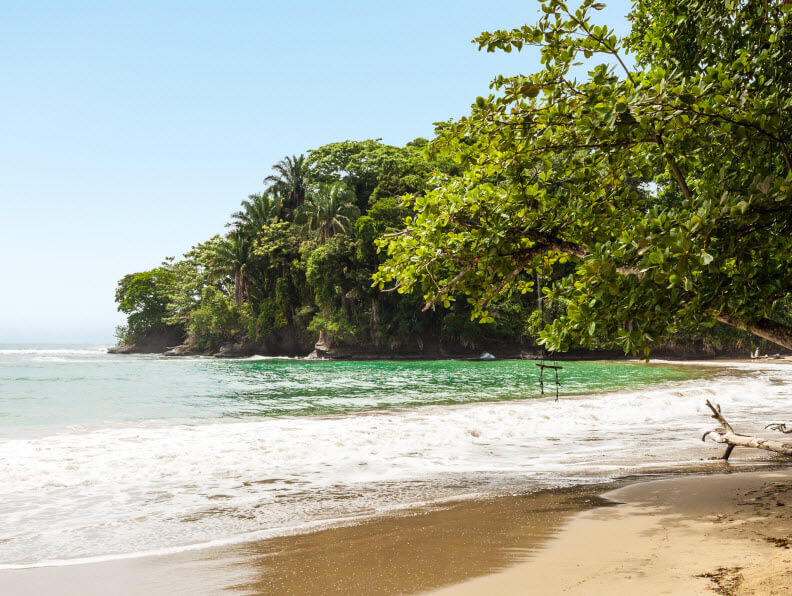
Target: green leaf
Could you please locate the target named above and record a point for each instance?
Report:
(530, 90)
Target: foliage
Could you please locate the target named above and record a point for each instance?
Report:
(637, 205)
(290, 181)
(143, 298)
(374, 170)
(258, 211)
(329, 209)
(550, 169)
(333, 325)
(299, 257)
(218, 320)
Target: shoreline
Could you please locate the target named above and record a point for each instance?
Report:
(491, 545)
(724, 533)
(681, 356)
(453, 543)
(409, 551)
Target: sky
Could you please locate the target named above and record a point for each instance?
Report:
(131, 130)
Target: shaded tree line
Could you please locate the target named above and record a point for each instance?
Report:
(297, 261)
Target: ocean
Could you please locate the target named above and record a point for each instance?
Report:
(110, 456)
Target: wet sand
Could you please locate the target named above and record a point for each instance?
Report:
(728, 533)
(399, 554)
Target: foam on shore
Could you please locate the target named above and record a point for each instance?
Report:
(129, 491)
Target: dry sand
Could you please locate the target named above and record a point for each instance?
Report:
(725, 533)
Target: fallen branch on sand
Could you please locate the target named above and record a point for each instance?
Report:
(726, 435)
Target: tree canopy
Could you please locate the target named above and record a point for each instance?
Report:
(298, 260)
(663, 176)
(632, 192)
(143, 298)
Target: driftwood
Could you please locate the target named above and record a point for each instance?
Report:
(726, 435)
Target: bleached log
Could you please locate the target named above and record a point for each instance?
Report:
(726, 435)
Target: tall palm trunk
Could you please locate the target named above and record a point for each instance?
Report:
(239, 286)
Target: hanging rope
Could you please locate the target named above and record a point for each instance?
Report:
(542, 366)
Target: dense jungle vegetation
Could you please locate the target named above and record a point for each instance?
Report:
(639, 206)
(299, 256)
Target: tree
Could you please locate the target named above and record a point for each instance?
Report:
(330, 209)
(258, 211)
(218, 319)
(231, 257)
(190, 277)
(550, 165)
(374, 170)
(290, 180)
(280, 276)
(330, 271)
(143, 297)
(203, 297)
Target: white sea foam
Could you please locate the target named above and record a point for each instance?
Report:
(115, 492)
(35, 351)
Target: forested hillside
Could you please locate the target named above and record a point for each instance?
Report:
(295, 268)
(293, 272)
(642, 208)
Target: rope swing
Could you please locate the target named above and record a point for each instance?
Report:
(541, 364)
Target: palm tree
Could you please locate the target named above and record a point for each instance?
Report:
(290, 180)
(329, 209)
(231, 256)
(258, 211)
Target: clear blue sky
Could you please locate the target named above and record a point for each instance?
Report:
(132, 129)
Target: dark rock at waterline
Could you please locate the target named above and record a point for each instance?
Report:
(126, 349)
(297, 343)
(416, 348)
(183, 350)
(288, 341)
(155, 342)
(235, 350)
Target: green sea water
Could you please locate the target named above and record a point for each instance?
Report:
(105, 456)
(46, 386)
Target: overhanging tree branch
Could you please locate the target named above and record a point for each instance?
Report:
(765, 328)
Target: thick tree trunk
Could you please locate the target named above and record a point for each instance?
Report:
(726, 435)
(777, 333)
(766, 329)
(239, 286)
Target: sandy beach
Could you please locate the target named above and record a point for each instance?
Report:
(726, 533)
(366, 503)
(405, 553)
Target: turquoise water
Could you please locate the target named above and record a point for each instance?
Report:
(46, 386)
(105, 456)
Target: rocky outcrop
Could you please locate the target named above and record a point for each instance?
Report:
(417, 348)
(124, 349)
(155, 342)
(296, 343)
(240, 349)
(288, 341)
(184, 350)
